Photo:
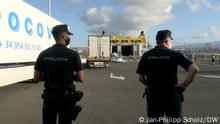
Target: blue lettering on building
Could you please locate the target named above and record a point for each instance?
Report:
(40, 30)
(13, 21)
(28, 26)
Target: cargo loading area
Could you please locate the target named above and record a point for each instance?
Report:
(127, 50)
(129, 46)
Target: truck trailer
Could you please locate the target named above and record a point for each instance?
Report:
(99, 51)
(25, 31)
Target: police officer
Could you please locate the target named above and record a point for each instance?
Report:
(213, 60)
(58, 66)
(157, 70)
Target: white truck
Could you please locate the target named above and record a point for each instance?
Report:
(25, 32)
(99, 51)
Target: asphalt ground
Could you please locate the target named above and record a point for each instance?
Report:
(112, 101)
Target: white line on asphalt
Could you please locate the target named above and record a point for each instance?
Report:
(210, 76)
(117, 77)
(211, 65)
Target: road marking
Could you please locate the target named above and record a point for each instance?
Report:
(211, 65)
(117, 77)
(210, 76)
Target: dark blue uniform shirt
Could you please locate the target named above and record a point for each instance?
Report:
(58, 64)
(160, 65)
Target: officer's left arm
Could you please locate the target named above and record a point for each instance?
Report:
(142, 79)
(78, 69)
(192, 71)
(38, 69)
(79, 77)
(141, 71)
(38, 76)
(190, 67)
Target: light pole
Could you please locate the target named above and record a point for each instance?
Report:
(49, 7)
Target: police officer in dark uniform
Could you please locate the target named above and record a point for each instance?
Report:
(59, 66)
(213, 60)
(157, 70)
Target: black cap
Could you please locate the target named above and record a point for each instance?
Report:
(60, 28)
(163, 34)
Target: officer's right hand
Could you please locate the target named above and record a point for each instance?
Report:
(182, 86)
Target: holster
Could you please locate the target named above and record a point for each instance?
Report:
(145, 91)
(75, 95)
(70, 95)
(181, 94)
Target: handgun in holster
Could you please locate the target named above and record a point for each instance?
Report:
(180, 91)
(73, 94)
(76, 96)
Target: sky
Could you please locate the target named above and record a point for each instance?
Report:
(191, 21)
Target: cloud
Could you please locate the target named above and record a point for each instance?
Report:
(196, 5)
(215, 31)
(74, 2)
(195, 36)
(212, 34)
(199, 35)
(128, 17)
(192, 38)
(193, 5)
(97, 17)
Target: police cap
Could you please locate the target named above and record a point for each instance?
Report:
(60, 28)
(163, 34)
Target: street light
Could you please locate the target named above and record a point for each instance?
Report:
(49, 7)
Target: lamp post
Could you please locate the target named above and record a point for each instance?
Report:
(49, 7)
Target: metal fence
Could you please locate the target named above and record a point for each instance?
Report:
(205, 58)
